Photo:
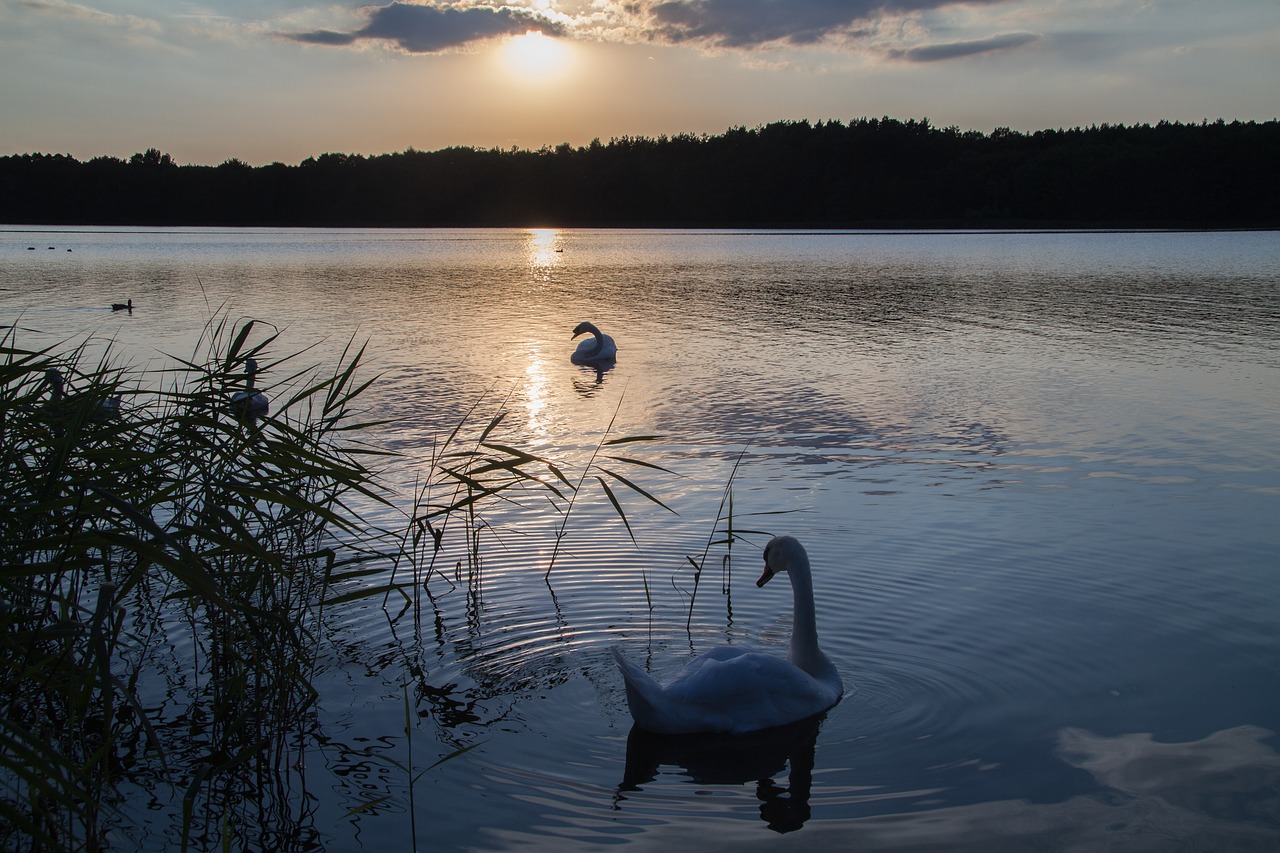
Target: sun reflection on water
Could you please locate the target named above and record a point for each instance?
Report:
(536, 393)
(543, 251)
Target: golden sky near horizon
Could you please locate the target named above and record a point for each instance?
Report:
(282, 80)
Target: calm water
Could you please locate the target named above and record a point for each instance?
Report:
(1038, 476)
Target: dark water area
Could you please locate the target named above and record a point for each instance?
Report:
(1038, 476)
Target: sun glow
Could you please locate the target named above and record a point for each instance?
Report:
(536, 58)
(543, 251)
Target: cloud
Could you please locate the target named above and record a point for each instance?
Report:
(84, 14)
(328, 37)
(959, 49)
(749, 23)
(433, 26)
(416, 28)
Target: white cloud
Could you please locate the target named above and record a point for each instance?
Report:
(76, 13)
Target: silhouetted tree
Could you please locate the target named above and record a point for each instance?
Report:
(867, 172)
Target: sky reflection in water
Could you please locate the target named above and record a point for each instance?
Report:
(1036, 475)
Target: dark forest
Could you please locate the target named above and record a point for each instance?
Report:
(866, 173)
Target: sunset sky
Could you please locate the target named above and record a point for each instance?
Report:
(282, 80)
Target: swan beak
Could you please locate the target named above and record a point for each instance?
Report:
(768, 573)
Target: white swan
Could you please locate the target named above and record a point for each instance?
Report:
(600, 348)
(249, 403)
(734, 690)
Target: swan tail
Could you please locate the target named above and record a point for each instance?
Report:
(642, 692)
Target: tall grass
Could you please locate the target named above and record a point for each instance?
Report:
(171, 521)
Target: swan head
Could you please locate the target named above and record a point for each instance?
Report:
(780, 555)
(584, 329)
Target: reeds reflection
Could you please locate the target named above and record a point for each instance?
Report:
(724, 759)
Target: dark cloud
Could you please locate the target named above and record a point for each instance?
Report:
(745, 23)
(958, 49)
(323, 37)
(430, 29)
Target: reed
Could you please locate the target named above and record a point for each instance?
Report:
(594, 468)
(472, 473)
(166, 520)
(723, 533)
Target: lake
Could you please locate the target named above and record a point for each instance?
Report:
(1038, 476)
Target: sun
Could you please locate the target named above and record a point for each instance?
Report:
(535, 57)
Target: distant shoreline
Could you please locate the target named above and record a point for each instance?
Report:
(870, 174)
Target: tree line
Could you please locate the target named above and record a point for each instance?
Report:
(864, 173)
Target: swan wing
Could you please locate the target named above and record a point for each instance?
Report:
(755, 690)
(724, 690)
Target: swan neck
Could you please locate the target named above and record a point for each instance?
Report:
(804, 623)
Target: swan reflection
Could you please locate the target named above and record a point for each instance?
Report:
(726, 759)
(591, 377)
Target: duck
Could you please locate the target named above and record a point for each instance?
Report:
(600, 348)
(122, 306)
(249, 404)
(735, 690)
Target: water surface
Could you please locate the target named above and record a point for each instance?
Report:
(1037, 474)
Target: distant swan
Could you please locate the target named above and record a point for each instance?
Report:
(249, 404)
(106, 409)
(600, 348)
(732, 690)
(122, 306)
